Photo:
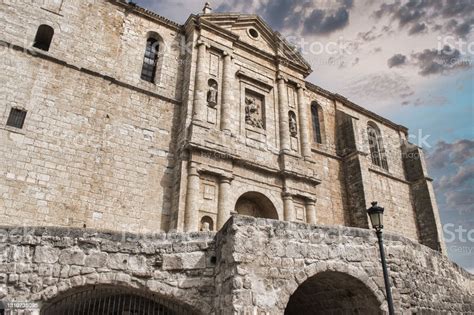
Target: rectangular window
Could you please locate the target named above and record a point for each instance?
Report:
(16, 118)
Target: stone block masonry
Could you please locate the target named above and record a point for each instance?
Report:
(251, 265)
(39, 264)
(223, 125)
(103, 148)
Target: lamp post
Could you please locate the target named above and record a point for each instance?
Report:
(376, 218)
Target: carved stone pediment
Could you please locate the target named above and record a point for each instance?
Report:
(253, 32)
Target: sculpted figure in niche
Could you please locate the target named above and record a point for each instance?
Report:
(293, 124)
(253, 114)
(212, 94)
(205, 227)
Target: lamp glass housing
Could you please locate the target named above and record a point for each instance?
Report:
(376, 216)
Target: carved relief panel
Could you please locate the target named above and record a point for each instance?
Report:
(257, 112)
(254, 109)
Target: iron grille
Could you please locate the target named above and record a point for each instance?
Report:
(113, 301)
(16, 118)
(149, 60)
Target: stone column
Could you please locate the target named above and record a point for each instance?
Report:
(200, 84)
(191, 216)
(227, 93)
(223, 206)
(303, 117)
(311, 211)
(283, 106)
(288, 207)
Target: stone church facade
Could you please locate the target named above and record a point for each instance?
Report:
(192, 167)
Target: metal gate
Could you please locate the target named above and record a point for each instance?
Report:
(113, 301)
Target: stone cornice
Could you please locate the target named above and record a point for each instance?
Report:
(386, 174)
(211, 27)
(289, 174)
(275, 171)
(325, 153)
(248, 76)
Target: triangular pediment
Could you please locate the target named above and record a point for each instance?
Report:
(254, 31)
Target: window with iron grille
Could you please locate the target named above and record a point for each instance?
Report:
(316, 124)
(377, 151)
(16, 118)
(150, 59)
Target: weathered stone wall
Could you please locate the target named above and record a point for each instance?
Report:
(103, 148)
(251, 265)
(42, 264)
(271, 259)
(100, 36)
(424, 201)
(92, 152)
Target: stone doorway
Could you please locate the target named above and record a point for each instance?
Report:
(113, 301)
(332, 292)
(256, 205)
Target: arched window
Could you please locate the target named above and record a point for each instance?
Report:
(150, 60)
(43, 37)
(377, 151)
(316, 123)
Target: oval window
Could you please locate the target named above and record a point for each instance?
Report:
(253, 32)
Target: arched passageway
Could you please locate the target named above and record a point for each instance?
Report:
(257, 205)
(113, 301)
(332, 292)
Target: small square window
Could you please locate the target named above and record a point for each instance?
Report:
(16, 118)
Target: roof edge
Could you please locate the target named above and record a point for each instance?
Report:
(346, 102)
(133, 7)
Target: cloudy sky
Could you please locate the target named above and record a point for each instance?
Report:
(410, 61)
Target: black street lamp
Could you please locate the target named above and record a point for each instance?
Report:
(376, 218)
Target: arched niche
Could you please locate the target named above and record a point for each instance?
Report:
(256, 204)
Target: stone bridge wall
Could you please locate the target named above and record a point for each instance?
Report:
(40, 264)
(250, 265)
(270, 259)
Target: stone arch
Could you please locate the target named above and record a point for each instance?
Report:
(340, 289)
(333, 292)
(240, 188)
(109, 299)
(256, 204)
(190, 300)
